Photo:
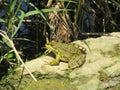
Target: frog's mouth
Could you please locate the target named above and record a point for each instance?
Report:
(49, 49)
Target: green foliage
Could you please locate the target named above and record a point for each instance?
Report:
(12, 16)
(12, 21)
(6, 42)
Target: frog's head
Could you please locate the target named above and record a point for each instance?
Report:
(50, 46)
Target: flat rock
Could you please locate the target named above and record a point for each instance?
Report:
(41, 65)
(102, 62)
(101, 52)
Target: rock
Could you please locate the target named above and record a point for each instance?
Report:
(102, 63)
(41, 65)
(102, 52)
(91, 85)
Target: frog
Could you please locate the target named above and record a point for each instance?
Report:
(72, 53)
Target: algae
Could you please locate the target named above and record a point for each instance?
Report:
(115, 52)
(51, 84)
(16, 81)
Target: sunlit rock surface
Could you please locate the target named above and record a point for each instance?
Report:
(41, 65)
(100, 71)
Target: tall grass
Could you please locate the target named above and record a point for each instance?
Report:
(12, 20)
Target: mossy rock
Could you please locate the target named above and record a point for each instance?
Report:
(51, 84)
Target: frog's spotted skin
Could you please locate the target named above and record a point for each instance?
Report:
(72, 53)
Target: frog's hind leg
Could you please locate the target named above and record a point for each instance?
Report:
(56, 61)
(72, 64)
(76, 62)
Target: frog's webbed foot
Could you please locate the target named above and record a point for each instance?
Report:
(54, 62)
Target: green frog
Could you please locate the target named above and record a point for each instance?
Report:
(72, 53)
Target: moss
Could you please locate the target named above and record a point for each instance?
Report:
(51, 84)
(115, 52)
(14, 81)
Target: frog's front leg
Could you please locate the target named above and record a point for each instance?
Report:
(56, 61)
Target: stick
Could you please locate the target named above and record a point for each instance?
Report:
(4, 35)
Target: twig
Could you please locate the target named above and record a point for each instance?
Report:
(49, 3)
(4, 35)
